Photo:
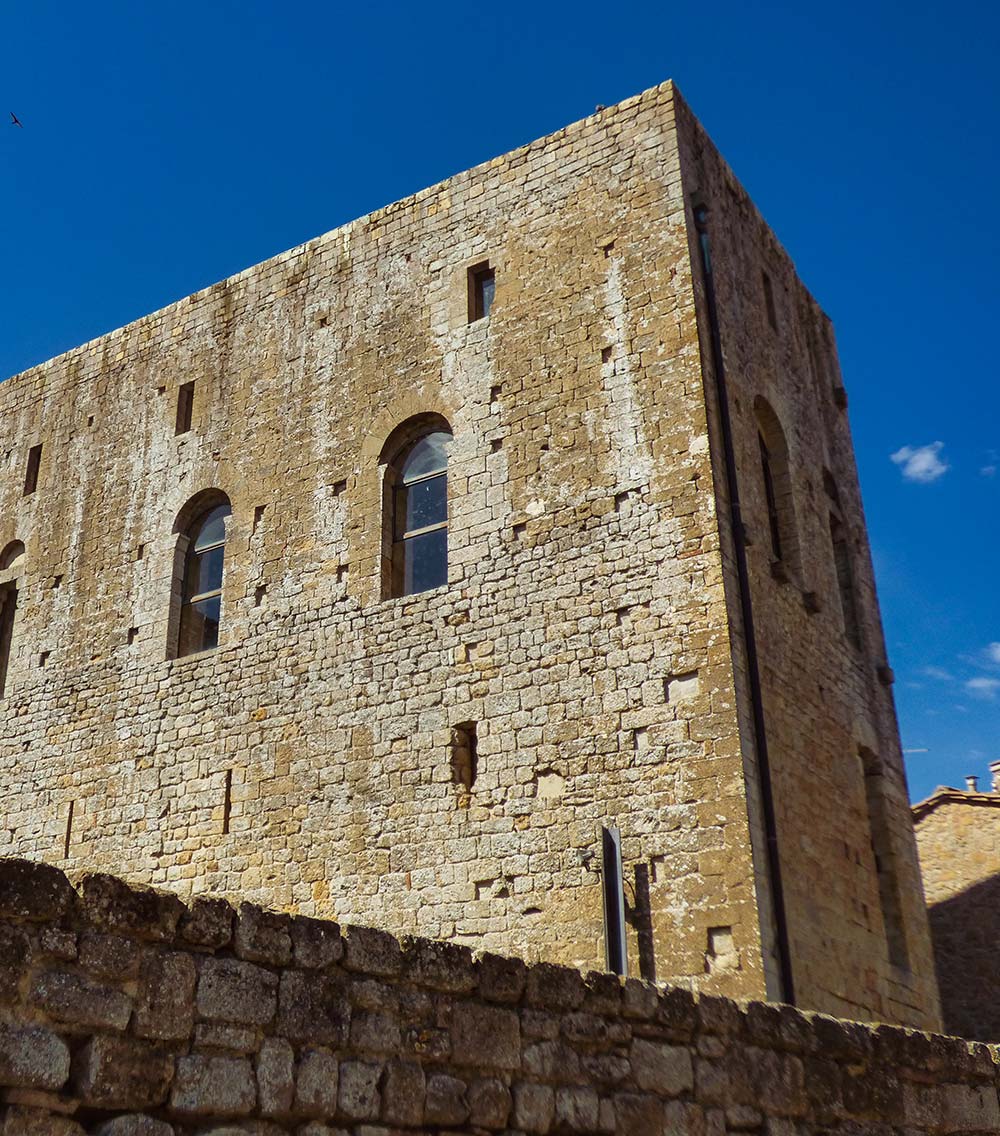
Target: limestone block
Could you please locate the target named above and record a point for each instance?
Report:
(315, 943)
(263, 936)
(20, 1121)
(577, 1108)
(358, 1095)
(234, 991)
(403, 1093)
(490, 1103)
(638, 1115)
(275, 1076)
(117, 1072)
(70, 997)
(109, 956)
(485, 1036)
(445, 1102)
(165, 1005)
(208, 922)
(213, 1086)
(439, 966)
(534, 1107)
(134, 1124)
(662, 1068)
(33, 1057)
(15, 955)
(501, 979)
(34, 891)
(372, 952)
(316, 1083)
(113, 905)
(313, 1008)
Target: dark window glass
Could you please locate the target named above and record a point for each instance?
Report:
(425, 561)
(201, 609)
(420, 516)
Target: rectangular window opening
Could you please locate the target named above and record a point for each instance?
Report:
(133, 633)
(227, 802)
(258, 516)
(845, 580)
(482, 288)
(8, 605)
(31, 473)
(185, 408)
(886, 865)
(69, 829)
(772, 315)
(464, 759)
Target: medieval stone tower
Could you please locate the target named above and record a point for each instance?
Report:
(375, 581)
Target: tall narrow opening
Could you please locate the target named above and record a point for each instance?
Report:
(482, 289)
(884, 853)
(31, 472)
(845, 579)
(464, 759)
(185, 408)
(8, 605)
(779, 501)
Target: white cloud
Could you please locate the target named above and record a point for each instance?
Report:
(938, 673)
(993, 652)
(983, 687)
(921, 463)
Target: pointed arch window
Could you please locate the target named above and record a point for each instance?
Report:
(778, 497)
(203, 547)
(417, 508)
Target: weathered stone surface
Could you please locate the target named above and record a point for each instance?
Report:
(666, 1069)
(208, 922)
(316, 1083)
(21, 1121)
(486, 1036)
(445, 1102)
(263, 936)
(372, 951)
(213, 1086)
(32, 1057)
(123, 1073)
(165, 1006)
(577, 1108)
(489, 1103)
(15, 954)
(403, 1093)
(315, 943)
(135, 1124)
(501, 979)
(275, 1076)
(70, 997)
(534, 1107)
(233, 991)
(143, 912)
(109, 956)
(29, 890)
(358, 1092)
(313, 1007)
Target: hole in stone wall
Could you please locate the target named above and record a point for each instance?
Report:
(90, 420)
(341, 573)
(680, 686)
(31, 473)
(133, 633)
(69, 829)
(605, 354)
(185, 408)
(772, 315)
(495, 394)
(258, 516)
(721, 953)
(464, 758)
(608, 249)
(43, 658)
(57, 581)
(339, 487)
(259, 593)
(227, 802)
(140, 552)
(496, 445)
(519, 531)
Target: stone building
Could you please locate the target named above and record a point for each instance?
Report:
(958, 839)
(383, 580)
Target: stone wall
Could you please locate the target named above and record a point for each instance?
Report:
(124, 1012)
(958, 836)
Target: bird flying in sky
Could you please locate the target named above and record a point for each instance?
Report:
(15, 121)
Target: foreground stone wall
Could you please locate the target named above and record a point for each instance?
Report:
(958, 835)
(125, 1012)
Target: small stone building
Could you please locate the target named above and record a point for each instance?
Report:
(387, 580)
(958, 839)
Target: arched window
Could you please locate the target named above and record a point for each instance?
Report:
(202, 550)
(777, 483)
(11, 563)
(416, 506)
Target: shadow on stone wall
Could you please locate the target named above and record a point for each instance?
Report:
(966, 934)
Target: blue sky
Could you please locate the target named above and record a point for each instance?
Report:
(167, 146)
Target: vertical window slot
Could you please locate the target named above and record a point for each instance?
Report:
(185, 408)
(31, 473)
(482, 288)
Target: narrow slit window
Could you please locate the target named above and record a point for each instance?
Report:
(201, 600)
(845, 579)
(482, 288)
(8, 605)
(886, 866)
(185, 408)
(31, 473)
(773, 517)
(772, 315)
(464, 758)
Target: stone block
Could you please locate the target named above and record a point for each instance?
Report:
(375, 1032)
(447, 967)
(233, 991)
(577, 1108)
(213, 1086)
(445, 1101)
(118, 1072)
(33, 891)
(26, 1121)
(108, 956)
(501, 979)
(316, 1083)
(15, 957)
(662, 1068)
(165, 1005)
(275, 1076)
(372, 952)
(403, 1093)
(638, 1114)
(113, 905)
(33, 1057)
(70, 997)
(553, 987)
(489, 1103)
(225, 1036)
(485, 1036)
(315, 943)
(134, 1124)
(313, 1008)
(263, 936)
(358, 1095)
(208, 922)
(534, 1107)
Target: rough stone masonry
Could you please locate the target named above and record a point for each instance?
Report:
(125, 1012)
(592, 637)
